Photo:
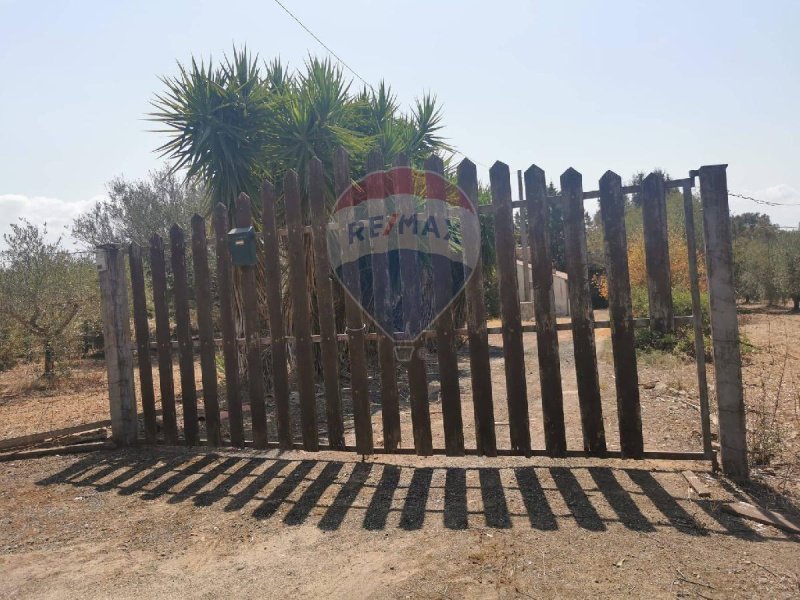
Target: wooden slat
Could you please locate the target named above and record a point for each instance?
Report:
(580, 303)
(523, 241)
(165, 382)
(272, 275)
(761, 515)
(445, 334)
(513, 351)
(656, 247)
(301, 312)
(184, 335)
(480, 371)
(359, 384)
(697, 324)
(142, 330)
(255, 375)
(620, 310)
(411, 299)
(544, 307)
(205, 326)
(700, 488)
(383, 299)
(230, 352)
(325, 309)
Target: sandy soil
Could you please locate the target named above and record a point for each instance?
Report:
(156, 524)
(165, 523)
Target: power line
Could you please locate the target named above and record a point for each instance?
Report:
(348, 67)
(324, 45)
(762, 202)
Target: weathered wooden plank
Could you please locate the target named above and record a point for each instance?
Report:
(205, 326)
(620, 310)
(445, 333)
(724, 324)
(165, 383)
(480, 371)
(118, 351)
(184, 335)
(327, 316)
(255, 374)
(761, 515)
(656, 248)
(544, 307)
(383, 298)
(411, 299)
(301, 313)
(142, 330)
(697, 323)
(513, 351)
(272, 275)
(580, 303)
(700, 488)
(359, 384)
(230, 352)
(524, 242)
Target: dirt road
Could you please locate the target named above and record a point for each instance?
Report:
(147, 524)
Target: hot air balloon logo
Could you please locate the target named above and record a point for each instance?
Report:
(403, 243)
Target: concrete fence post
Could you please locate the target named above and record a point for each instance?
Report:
(117, 342)
(724, 324)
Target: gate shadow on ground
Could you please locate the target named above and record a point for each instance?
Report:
(297, 491)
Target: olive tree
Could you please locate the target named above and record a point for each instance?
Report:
(45, 291)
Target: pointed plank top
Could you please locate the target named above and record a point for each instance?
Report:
(534, 171)
(499, 168)
(434, 163)
(466, 166)
(571, 176)
(610, 179)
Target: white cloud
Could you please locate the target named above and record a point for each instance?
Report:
(57, 213)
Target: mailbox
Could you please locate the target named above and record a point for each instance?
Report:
(242, 245)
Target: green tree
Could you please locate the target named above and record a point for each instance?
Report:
(45, 290)
(135, 210)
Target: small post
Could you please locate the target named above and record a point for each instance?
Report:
(724, 324)
(118, 350)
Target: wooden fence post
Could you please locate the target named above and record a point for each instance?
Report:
(445, 336)
(118, 351)
(480, 370)
(656, 249)
(301, 312)
(513, 350)
(580, 308)
(724, 324)
(544, 307)
(620, 309)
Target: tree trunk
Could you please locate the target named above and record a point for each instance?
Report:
(49, 360)
(796, 303)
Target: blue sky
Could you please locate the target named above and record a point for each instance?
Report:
(626, 86)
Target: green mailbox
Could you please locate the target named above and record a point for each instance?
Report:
(242, 245)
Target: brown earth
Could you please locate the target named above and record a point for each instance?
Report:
(164, 523)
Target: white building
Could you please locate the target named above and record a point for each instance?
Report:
(560, 292)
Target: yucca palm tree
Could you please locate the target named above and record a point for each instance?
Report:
(236, 122)
(239, 121)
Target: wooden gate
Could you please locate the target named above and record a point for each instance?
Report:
(281, 410)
